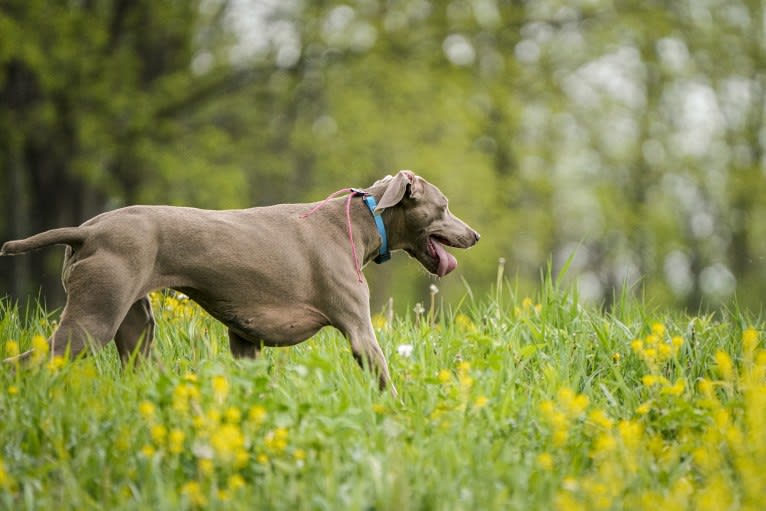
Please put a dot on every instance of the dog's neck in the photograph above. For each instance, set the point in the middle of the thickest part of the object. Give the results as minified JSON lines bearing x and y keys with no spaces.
{"x":366,"y":239}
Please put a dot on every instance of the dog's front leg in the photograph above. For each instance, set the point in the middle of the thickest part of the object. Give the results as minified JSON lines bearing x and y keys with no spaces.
{"x":368,"y":354}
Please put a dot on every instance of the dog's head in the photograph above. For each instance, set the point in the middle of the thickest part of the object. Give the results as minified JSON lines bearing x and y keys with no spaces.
{"x":421,"y":222}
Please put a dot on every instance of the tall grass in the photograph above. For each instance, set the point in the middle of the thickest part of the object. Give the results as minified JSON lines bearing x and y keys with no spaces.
{"x":506,"y":402}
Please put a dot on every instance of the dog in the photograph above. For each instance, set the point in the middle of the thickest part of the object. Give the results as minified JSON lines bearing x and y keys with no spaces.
{"x":273,"y":275}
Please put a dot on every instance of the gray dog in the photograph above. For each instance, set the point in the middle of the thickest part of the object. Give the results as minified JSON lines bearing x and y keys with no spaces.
{"x":273,"y":275}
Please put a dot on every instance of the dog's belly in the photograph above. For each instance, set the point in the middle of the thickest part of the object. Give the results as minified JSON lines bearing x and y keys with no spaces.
{"x":280,"y":326}
{"x":275,"y":325}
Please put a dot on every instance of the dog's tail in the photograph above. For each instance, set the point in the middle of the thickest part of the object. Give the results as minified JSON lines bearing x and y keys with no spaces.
{"x":72,"y":236}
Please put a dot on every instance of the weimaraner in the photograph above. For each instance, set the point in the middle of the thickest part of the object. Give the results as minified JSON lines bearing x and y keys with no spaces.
{"x":273,"y":275}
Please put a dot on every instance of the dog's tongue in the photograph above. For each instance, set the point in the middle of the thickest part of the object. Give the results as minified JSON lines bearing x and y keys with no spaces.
{"x":447,"y":261}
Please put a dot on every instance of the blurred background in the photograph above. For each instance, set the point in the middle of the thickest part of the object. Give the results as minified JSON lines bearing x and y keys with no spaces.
{"x":625,"y":135}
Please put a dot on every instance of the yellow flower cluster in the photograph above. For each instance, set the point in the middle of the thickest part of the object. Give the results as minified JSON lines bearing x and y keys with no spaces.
{"x":528,"y":308}
{"x":459,"y":392}
{"x":560,"y":414}
{"x":40,"y":352}
{"x":11,"y":348}
{"x":207,"y":429}
{"x":656,"y":348}
{"x":464,"y":323}
{"x":173,"y":305}
{"x":716,"y":465}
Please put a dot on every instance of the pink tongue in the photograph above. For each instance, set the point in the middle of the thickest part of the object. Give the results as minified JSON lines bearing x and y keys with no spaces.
{"x":447,"y":261}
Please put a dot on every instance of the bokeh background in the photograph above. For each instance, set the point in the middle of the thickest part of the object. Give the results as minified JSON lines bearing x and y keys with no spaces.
{"x":624,"y":136}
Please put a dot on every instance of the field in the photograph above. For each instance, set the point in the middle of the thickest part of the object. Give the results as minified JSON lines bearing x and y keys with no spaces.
{"x":506,"y":402}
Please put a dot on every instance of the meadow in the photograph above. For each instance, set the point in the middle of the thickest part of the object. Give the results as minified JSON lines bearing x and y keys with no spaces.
{"x":506,"y":402}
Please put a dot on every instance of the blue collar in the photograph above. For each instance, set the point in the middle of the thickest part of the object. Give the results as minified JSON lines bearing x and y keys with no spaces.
{"x":383,"y":254}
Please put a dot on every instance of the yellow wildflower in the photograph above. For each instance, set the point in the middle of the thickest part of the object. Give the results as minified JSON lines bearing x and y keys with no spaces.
{"x":13,"y":390}
{"x":235,"y":482}
{"x":262,"y":459}
{"x":565,"y":501}
{"x":378,"y":408}
{"x":146,"y":409}
{"x":241,"y":457}
{"x":11,"y":348}
{"x":630,"y":433}
{"x":749,"y":340}
{"x":603,"y":444}
{"x":233,"y":414}
{"x":147,"y":451}
{"x":644,"y":408}
{"x":226,"y":441}
{"x":601,"y":419}
{"x":159,"y":433}
{"x":257,"y":414}
{"x":6,"y":481}
{"x":40,"y":348}
{"x":56,"y":363}
{"x":276,"y":440}
{"x":220,"y":387}
{"x":637,"y":346}
{"x":650,"y":380}
{"x":445,"y":376}
{"x":650,"y":355}
{"x":213,"y":417}
{"x":652,"y":340}
{"x":715,"y":495}
{"x":547,"y":408}
{"x":725,"y":365}
{"x":706,"y":387}
{"x":664,"y":351}
{"x":676,"y":389}
{"x":560,"y":437}
{"x":705,"y":459}
{"x":176,"y":441}
{"x":379,"y":322}
{"x":545,"y":461}
{"x":571,"y":403}
{"x":193,"y":492}
{"x":464,"y":323}
{"x":205,"y":466}
{"x":299,"y":454}
{"x":658,"y":329}
{"x":481,"y":401}
{"x":579,"y":405}
{"x":722,"y":419}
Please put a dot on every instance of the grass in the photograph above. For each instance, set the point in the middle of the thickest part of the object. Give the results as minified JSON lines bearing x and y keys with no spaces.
{"x":506,"y":403}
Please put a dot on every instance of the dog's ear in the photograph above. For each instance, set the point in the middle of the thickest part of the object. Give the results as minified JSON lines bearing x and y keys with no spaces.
{"x":404,"y":182}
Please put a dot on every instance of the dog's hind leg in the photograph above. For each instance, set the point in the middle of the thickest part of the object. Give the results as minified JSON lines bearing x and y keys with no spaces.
{"x":241,"y":347}
{"x":136,"y":332}
{"x":100,"y":292}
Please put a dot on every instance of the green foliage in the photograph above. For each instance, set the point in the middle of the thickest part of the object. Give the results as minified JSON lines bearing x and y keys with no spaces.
{"x":631,"y":130}
{"x":507,"y":402}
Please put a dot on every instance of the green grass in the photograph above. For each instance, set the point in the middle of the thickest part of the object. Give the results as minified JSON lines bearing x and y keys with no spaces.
{"x":505,"y":403}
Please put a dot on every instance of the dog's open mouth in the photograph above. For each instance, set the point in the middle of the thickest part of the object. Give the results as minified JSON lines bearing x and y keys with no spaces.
{"x":446,"y":261}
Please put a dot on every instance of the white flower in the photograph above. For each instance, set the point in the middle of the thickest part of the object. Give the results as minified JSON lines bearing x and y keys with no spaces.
{"x":434,"y":289}
{"x":404,"y":350}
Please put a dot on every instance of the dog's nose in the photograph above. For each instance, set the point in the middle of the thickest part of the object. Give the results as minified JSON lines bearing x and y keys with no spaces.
{"x":476,"y":236}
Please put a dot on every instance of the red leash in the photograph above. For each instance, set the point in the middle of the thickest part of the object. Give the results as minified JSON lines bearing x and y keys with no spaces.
{"x":352,"y":193}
